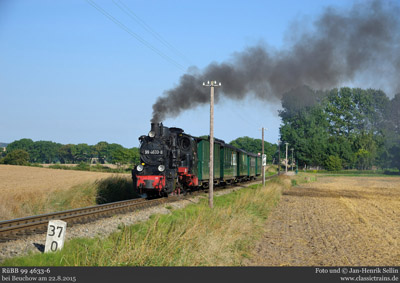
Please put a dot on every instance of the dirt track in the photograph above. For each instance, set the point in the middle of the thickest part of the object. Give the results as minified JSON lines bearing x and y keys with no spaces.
{"x":334,"y":221}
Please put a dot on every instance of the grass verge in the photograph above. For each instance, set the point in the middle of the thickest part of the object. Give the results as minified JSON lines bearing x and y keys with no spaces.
{"x":193,"y":236}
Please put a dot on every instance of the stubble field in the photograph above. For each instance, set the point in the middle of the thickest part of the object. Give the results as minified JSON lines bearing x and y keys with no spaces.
{"x":27,"y":191}
{"x":350,"y":221}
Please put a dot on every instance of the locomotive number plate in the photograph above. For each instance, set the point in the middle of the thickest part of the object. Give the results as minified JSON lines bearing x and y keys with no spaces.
{"x":153,"y":152}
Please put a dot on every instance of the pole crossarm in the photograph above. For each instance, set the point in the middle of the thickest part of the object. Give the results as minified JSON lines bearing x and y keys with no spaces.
{"x":212,"y":83}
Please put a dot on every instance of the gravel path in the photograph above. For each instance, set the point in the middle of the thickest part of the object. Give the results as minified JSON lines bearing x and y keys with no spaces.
{"x":99,"y":228}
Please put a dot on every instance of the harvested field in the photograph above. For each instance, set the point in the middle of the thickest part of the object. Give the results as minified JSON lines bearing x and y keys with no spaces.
{"x":28,"y":190}
{"x":335,"y":221}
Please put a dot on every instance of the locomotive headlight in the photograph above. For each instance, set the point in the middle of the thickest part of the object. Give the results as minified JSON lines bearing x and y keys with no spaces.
{"x":139,"y":168}
{"x":152,"y":134}
{"x":161,"y":168}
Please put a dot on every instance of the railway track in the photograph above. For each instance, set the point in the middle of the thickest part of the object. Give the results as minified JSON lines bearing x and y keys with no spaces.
{"x":16,"y":228}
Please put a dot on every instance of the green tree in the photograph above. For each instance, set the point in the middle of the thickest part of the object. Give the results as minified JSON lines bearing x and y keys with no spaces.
{"x":305,"y":131}
{"x":45,"y":152}
{"x":105,"y":151}
{"x":363,"y":159}
{"x":344,"y":122}
{"x":343,"y":113}
{"x":66,"y":153}
{"x":333,"y":163}
{"x":2,"y":153}
{"x":342,"y":147}
{"x":135,"y":155}
{"x":356,"y":119}
{"x":24,"y":144}
{"x":365,"y":148}
{"x":111,"y":149}
{"x":125,"y":156}
{"x":16,"y":157}
{"x":255,"y":146}
{"x":82,"y":152}
{"x":392,"y":134}
{"x":121,"y":156}
{"x":39,"y":152}
{"x":393,"y":114}
{"x":101,"y":149}
{"x":395,"y":156}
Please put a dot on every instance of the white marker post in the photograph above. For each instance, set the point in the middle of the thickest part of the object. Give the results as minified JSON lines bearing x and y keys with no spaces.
{"x":55,"y":235}
{"x":264,"y":163}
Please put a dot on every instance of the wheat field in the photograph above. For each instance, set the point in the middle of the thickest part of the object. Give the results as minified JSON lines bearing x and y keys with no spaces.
{"x":32,"y":190}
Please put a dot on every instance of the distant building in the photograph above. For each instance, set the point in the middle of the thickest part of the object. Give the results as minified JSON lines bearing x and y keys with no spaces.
{"x":3,"y":149}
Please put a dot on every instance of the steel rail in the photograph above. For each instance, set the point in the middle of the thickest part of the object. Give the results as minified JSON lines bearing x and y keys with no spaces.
{"x":12,"y":229}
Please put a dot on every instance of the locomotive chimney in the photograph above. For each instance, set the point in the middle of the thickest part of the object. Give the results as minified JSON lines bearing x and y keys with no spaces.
{"x":161,"y":129}
{"x":157,"y":129}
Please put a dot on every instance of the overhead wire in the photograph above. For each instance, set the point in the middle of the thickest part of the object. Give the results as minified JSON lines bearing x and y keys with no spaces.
{"x":250,"y":120}
{"x":136,"y":36}
{"x":133,"y":16}
{"x":156,"y":35}
{"x":242,"y":118}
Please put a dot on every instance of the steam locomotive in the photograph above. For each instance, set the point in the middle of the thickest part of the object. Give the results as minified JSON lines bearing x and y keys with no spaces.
{"x":172,"y":161}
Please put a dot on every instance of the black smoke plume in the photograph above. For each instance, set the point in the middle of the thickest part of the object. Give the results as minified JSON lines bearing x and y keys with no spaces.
{"x":342,"y":45}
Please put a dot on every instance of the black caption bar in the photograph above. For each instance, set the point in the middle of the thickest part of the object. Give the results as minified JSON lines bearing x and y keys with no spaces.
{"x":196,"y":274}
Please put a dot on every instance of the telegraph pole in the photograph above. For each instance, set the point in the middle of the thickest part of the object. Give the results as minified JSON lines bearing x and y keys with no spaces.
{"x":262,"y":159}
{"x":292,"y":158}
{"x":286,"y":161}
{"x":279,"y":157}
{"x":211,"y":84}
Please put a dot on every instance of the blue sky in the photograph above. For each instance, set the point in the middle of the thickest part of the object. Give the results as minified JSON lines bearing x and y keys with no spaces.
{"x":70,"y":75}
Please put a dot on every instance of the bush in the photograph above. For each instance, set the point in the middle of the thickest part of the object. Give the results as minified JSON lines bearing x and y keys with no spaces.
{"x":58,"y":166}
{"x":36,"y":165}
{"x":83,"y":166}
{"x":114,"y":189}
{"x":333,"y":163}
{"x":16,"y":157}
{"x":98,"y":168}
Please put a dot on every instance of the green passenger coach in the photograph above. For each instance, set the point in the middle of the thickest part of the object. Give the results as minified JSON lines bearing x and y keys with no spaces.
{"x":258,"y":165}
{"x":243,"y":166}
{"x":203,"y":155}
{"x":230,"y":163}
{"x":252,"y":166}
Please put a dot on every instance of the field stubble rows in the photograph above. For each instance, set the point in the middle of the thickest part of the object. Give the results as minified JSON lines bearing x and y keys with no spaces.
{"x":335,"y":221}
